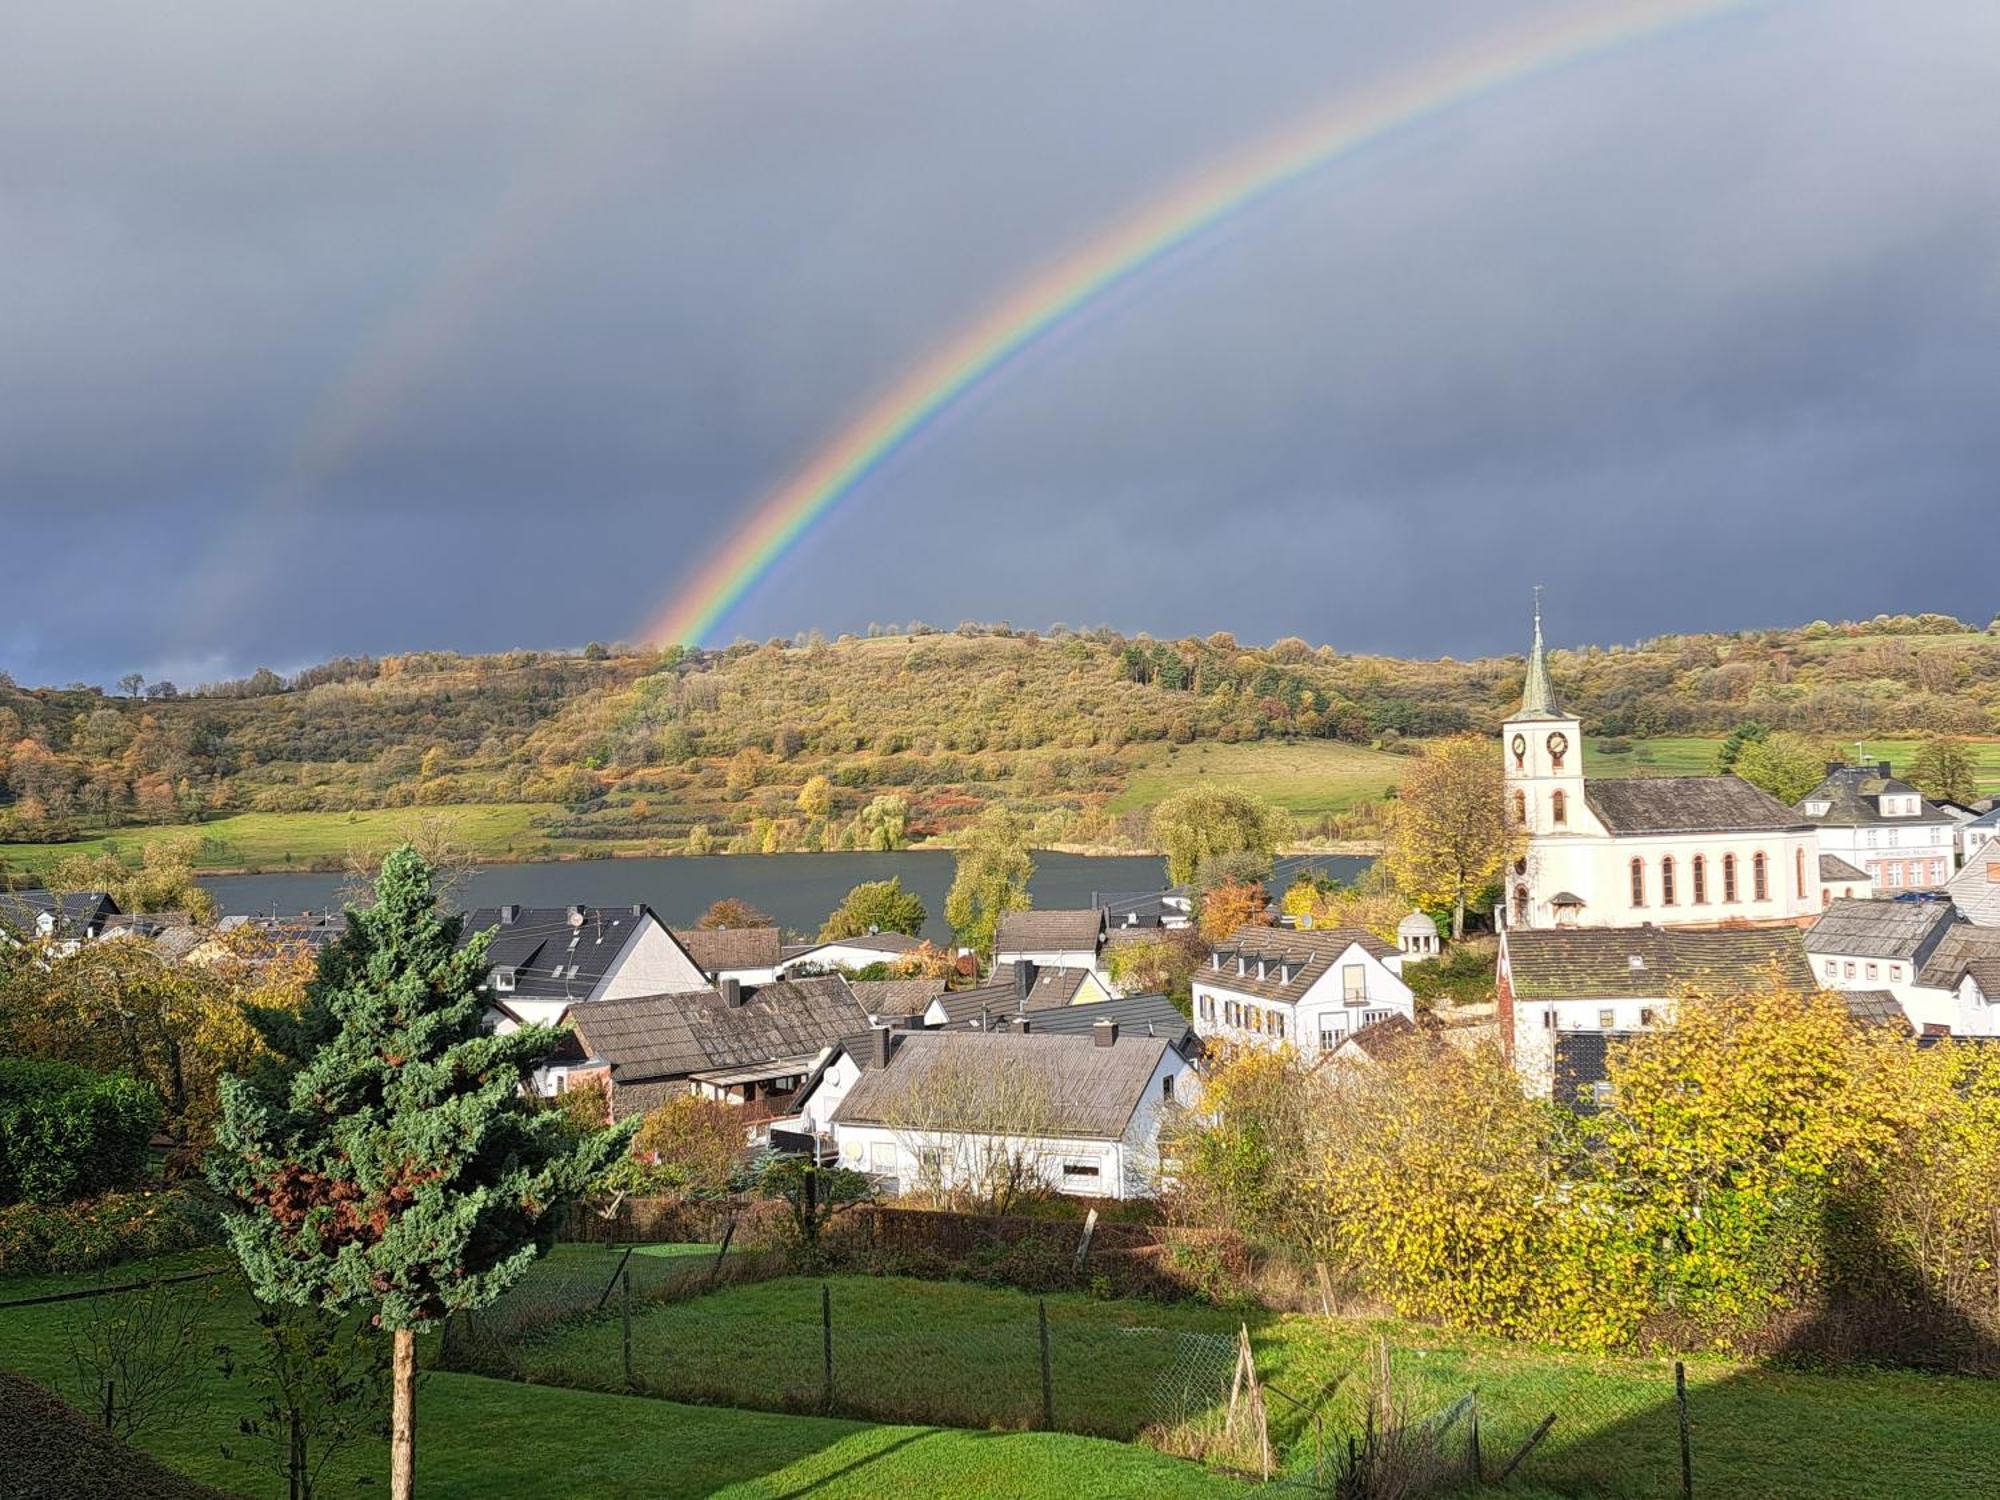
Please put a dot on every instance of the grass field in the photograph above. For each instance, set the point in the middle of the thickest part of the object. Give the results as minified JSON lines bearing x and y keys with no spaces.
{"x":306,"y":840}
{"x":1695,"y":756}
{"x":971,"y":1354}
{"x":484,"y":1439}
{"x":1305,"y":777}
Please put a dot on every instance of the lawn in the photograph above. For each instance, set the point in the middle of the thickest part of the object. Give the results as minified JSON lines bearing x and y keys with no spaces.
{"x":1305,"y":777}
{"x":496,"y":1440}
{"x":1689,"y":755}
{"x":307,"y":840}
{"x":969,"y":1355}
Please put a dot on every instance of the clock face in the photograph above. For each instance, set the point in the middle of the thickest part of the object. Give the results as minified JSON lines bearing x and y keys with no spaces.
{"x":1520,"y":746}
{"x":1558,"y":744}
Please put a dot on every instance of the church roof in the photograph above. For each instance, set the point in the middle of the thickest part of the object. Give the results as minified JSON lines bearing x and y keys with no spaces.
{"x":1688,"y":804}
{"x":1538,"y":698}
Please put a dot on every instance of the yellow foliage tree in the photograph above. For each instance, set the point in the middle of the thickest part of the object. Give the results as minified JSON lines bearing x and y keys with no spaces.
{"x":1453,"y":831}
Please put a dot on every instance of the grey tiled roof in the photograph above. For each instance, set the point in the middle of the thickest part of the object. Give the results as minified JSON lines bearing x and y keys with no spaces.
{"x":1072,"y":931}
{"x":1138,"y":1015}
{"x":1091,"y":1090}
{"x":896,"y":997}
{"x":1853,"y":793}
{"x":1964,"y":945}
{"x":888,"y":944}
{"x":1874,"y":1008}
{"x":671,"y":1036}
{"x":1853,"y":928}
{"x":1834,"y":869}
{"x":1636,"y":963}
{"x":1687,"y":804}
{"x":1309,"y":953}
{"x":719,"y":948}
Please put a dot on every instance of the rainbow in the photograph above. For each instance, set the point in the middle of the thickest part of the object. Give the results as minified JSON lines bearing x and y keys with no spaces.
{"x":1048,"y":301}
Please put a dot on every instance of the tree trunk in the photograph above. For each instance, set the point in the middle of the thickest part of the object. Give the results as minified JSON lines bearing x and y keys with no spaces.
{"x":403,"y":1418}
{"x":1458,"y":920}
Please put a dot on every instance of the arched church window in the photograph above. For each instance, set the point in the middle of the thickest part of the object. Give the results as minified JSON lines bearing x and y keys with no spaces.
{"x":1520,"y":906}
{"x":1638,"y":882}
{"x":1667,"y":881}
{"x":1701,"y":880}
{"x":1521,"y":808}
{"x":1729,"y":877}
{"x":1559,"y":808}
{"x":1799,"y":868}
{"x":1760,"y":877}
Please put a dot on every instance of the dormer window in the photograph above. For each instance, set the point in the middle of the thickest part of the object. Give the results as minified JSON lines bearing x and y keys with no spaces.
{"x":503,"y":980}
{"x":1818,"y":808}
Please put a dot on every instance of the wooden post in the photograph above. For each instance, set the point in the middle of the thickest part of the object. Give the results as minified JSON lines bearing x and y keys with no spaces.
{"x":728,"y":1234}
{"x":1687,"y":1443}
{"x":108,"y":1388}
{"x":1083,"y":1245}
{"x":1522,"y":1452}
{"x":1048,"y":1380}
{"x":625,"y":1317}
{"x":1325,"y":1288}
{"x":1472,"y":1450}
{"x":826,"y":1345}
{"x":403,"y":1416}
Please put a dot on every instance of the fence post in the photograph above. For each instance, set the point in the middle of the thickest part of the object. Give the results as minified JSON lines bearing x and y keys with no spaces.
{"x":625,"y":1317}
{"x":826,"y":1345}
{"x":108,"y":1389}
{"x":1687,"y":1444}
{"x":1048,"y":1380}
{"x":1473,"y":1455}
{"x":728,"y":1234}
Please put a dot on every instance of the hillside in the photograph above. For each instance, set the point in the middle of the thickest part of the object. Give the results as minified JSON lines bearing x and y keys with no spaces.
{"x":640,"y":751}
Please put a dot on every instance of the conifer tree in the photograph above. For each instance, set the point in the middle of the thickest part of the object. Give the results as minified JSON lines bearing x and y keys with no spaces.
{"x":391,"y":1160}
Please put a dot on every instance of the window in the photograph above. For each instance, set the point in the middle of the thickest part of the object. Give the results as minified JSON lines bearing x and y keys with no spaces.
{"x":1353,"y":983}
{"x":1799,"y":868}
{"x":1559,"y":808}
{"x":1701,"y":880}
{"x":1832,"y":969}
{"x":1371,"y":1017}
{"x":1667,"y":881}
{"x":1760,"y":877}
{"x":1638,"y":882}
{"x":1873,"y":971}
{"x":882,"y":1156}
{"x":1894,"y":872}
{"x":1607,"y":1020}
{"x":1729,"y":878}
{"x":1895,"y":973}
{"x":1167,"y":1087}
{"x":1328,"y":1040}
{"x":1647,"y":1015}
{"x":1081,"y":1169}
{"x":1848,"y":967}
{"x":1521,"y":808}
{"x":1600,"y":1092}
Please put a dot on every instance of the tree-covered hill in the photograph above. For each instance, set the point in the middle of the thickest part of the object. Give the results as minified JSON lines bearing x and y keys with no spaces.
{"x":868,"y":742}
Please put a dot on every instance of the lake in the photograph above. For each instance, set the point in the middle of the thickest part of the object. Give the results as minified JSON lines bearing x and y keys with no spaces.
{"x":797,"y":890}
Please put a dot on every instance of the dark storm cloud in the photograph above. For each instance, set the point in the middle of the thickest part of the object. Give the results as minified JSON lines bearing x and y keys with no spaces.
{"x":476,"y":325}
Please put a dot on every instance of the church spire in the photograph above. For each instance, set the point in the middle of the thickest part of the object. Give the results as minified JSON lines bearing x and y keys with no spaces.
{"x":1538,"y":699}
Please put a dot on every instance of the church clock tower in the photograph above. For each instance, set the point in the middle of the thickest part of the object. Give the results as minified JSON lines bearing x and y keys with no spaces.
{"x":1542,"y":750}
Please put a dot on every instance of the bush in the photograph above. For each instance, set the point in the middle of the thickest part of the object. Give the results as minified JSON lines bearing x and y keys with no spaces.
{"x":39,"y":1241}
{"x":67,"y":1133}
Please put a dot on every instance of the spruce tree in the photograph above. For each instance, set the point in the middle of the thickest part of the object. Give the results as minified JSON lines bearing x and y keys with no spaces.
{"x":391,"y":1160}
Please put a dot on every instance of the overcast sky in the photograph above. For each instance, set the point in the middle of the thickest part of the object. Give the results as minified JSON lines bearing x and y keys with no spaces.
{"x":382,"y":326}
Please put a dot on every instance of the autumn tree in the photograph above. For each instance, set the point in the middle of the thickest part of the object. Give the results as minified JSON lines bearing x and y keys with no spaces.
{"x":1198,"y":825}
{"x":1786,"y":764}
{"x":816,"y":798}
{"x":1943,"y":769}
{"x":876,"y":906}
{"x":882,"y":823}
{"x":1233,"y":904}
{"x":394,"y":1162}
{"x":686,"y":1145}
{"x":1749,"y":732}
{"x":993,"y":871}
{"x":729,"y":912}
{"x":1453,"y":831}
{"x":163,"y":880}
{"x":1163,"y":963}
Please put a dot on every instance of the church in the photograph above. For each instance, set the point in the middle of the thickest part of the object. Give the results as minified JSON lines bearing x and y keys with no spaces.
{"x":1670,"y":851}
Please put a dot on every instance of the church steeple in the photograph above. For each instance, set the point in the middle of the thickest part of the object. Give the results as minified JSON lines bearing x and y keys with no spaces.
{"x":1538,"y":699}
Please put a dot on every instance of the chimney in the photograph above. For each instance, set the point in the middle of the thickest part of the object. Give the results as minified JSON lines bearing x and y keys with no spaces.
{"x":1023,"y":1025}
{"x":883,"y":1041}
{"x":638,"y":909}
{"x":1882,"y":769}
{"x":1024,"y":977}
{"x":509,"y":915}
{"x":914,"y":1021}
{"x":1104,"y":1033}
{"x":732,"y":992}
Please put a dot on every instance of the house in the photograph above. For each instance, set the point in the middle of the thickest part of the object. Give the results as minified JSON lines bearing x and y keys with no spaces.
{"x":749,"y":955}
{"x":1073,"y":1113}
{"x":1943,"y":970}
{"x":1309,"y":987}
{"x":889,"y":1000}
{"x":1022,"y":986}
{"x":1147,"y":911}
{"x":1884,"y":826}
{"x":1617,"y":980}
{"x":1135,"y":1015}
{"x":1050,"y":939}
{"x":1682,"y":851}
{"x":73,"y":917}
{"x":1976,"y":833}
{"x":1975,"y":890}
{"x":546,"y":959}
{"x":1372,"y":1045}
{"x":851,"y":953}
{"x":732,"y":1045}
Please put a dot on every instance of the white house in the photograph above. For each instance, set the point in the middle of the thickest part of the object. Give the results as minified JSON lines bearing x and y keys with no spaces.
{"x":1884,"y":826}
{"x":1942,"y":970}
{"x":1976,"y":834}
{"x":1056,"y":939}
{"x":547,"y":958}
{"x":749,"y":955}
{"x":1680,"y":851}
{"x":1615,"y":981}
{"x":945,"y":1110}
{"x":1312,"y":987}
{"x":859,"y":952}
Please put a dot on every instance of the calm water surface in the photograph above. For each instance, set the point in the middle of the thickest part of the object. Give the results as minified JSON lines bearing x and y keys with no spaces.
{"x":796,"y":889}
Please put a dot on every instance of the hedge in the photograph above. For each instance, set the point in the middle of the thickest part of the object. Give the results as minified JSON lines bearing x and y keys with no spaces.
{"x":71,"y":1237}
{"x":67,"y":1133}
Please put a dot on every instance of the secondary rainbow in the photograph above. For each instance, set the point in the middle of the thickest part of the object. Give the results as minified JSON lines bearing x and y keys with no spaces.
{"x":1049,"y":300}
